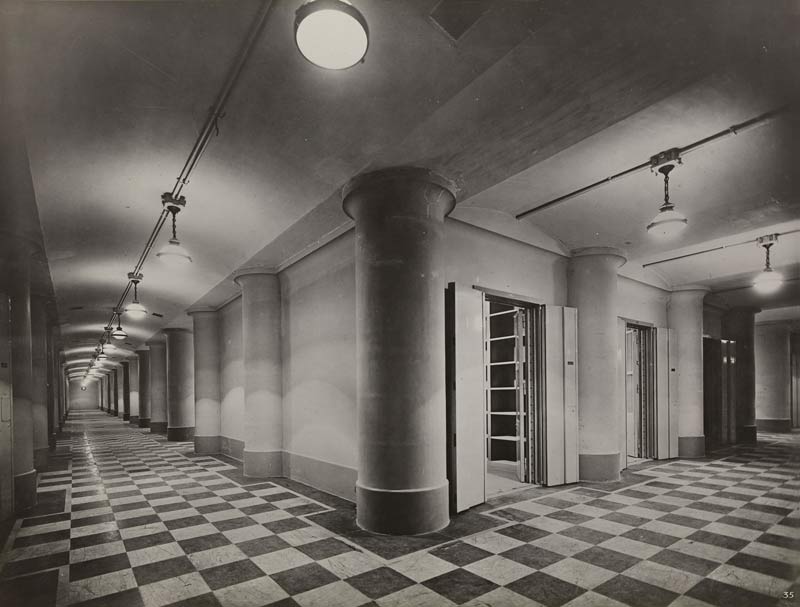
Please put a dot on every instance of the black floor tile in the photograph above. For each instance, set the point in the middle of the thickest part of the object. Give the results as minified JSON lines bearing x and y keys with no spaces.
{"x":92,"y":520}
{"x":585,"y":534}
{"x":716,"y":539}
{"x":546,"y":589}
{"x":379,"y":582}
{"x":285,"y":524}
{"x":146,"y":541}
{"x":106,"y":564}
{"x":126,"y":598}
{"x":208,"y":509}
{"x":161,"y":570}
{"x":523,"y":533}
{"x":300,"y":579}
{"x":203,"y":600}
{"x":532,"y":556}
{"x":635,"y":593}
{"x":231,"y":573}
{"x":771,"y":567}
{"x":626,"y":519}
{"x":41,"y":538}
{"x":324,"y":549}
{"x":233,"y":523}
{"x":684,"y":521}
{"x":608,"y":559}
{"x":569,"y":517}
{"x":94,"y":539}
{"x":685,"y":562}
{"x":650,"y":537}
{"x":725,"y":595}
{"x":137,"y":521}
{"x":514,"y":514}
{"x":45,"y":520}
{"x":186,"y":521}
{"x":460,"y":554}
{"x":780,"y":541}
{"x":254,"y":509}
{"x":41,"y":563}
{"x":262,"y":545}
{"x":38,"y":590}
{"x":460,"y":585}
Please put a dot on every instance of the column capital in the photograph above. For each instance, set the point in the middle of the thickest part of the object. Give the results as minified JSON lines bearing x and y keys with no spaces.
{"x":201,"y":310}
{"x":252,"y":271}
{"x":419,"y":178}
{"x":174,"y":330}
{"x":688,"y":288}
{"x":612,"y":252}
{"x":157,"y":342}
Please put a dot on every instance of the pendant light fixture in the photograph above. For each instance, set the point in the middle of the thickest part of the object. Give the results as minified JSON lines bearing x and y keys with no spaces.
{"x":669,"y":222}
{"x":331,"y":34}
{"x":768,"y":281}
{"x":135,"y":309}
{"x":173,"y":253}
{"x":101,"y":355}
{"x":118,"y":333}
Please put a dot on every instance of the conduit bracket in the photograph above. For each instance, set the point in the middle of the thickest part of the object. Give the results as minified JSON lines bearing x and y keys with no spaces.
{"x":171,"y":203}
{"x":672,"y":155}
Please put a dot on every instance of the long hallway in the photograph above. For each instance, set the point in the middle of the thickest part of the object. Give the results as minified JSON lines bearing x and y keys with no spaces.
{"x":126,"y":518}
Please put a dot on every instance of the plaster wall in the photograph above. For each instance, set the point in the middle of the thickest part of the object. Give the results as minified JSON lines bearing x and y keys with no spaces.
{"x":84,"y":400}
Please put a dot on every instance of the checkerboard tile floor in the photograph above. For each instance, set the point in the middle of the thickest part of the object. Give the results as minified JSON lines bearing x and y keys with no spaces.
{"x":145,"y":525}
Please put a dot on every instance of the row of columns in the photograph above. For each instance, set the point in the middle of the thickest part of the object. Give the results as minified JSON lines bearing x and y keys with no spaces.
{"x":33,"y":383}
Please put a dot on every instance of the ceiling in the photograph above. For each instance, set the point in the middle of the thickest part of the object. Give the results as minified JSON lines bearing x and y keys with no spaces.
{"x":532,"y":100}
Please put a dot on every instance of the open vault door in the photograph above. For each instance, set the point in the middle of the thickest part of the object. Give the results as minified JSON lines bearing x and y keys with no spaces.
{"x":556,"y":417}
{"x":466,"y":417}
{"x":666,"y":395}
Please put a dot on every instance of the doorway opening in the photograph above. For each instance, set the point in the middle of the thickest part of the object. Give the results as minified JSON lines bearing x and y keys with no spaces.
{"x":514,"y":413}
{"x":640,"y":401}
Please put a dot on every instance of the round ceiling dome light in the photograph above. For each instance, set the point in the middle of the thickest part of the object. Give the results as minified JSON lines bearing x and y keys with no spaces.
{"x":768,"y":281}
{"x":135,"y":310}
{"x":331,"y":34}
{"x":669,"y":222}
{"x":173,"y":254}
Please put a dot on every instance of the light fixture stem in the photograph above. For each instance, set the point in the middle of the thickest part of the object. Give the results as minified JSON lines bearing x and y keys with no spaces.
{"x":767,"y":247}
{"x":174,"y":213}
{"x":666,"y":188}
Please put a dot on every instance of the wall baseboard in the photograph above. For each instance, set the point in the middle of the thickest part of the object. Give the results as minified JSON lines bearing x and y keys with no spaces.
{"x":333,"y":478}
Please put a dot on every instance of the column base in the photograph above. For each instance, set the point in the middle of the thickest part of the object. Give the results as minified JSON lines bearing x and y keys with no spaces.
{"x":158,"y":427}
{"x":144,"y":422}
{"x":41,"y":458}
{"x":24,"y":491}
{"x":746,"y":435}
{"x":774,"y":425}
{"x":180,"y":434}
{"x":126,"y":417}
{"x":407,"y":512}
{"x":598,"y":467}
{"x":207,"y":444}
{"x":134,"y":420}
{"x":691,"y":447}
{"x":263,"y":464}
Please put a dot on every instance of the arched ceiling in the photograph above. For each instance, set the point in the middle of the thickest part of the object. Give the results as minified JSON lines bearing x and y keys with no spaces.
{"x":536,"y":98}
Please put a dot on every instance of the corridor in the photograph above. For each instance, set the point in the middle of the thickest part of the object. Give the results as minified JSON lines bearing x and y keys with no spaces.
{"x":126,"y":518}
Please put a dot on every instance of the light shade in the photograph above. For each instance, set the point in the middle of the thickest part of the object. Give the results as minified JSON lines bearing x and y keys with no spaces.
{"x":118,"y":333}
{"x":136,"y":310}
{"x":102,"y":356}
{"x":174,"y":254}
{"x":332,"y":34}
{"x":768,"y":281}
{"x":668,"y":223}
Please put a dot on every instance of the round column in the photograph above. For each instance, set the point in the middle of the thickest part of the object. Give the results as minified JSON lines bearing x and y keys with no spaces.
{"x":263,"y":389}
{"x":112,"y":391}
{"x":102,"y":390}
{"x":206,"y":380}
{"x":773,"y":377}
{"x":180,"y":385}
{"x":133,"y":392}
{"x":119,"y":391}
{"x":126,"y":390}
{"x":592,"y":289}
{"x":402,"y":480}
{"x":22,"y":377}
{"x":685,"y":317}
{"x":41,"y":440}
{"x":738,"y":325}
{"x":158,"y":386}
{"x":144,"y":388}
